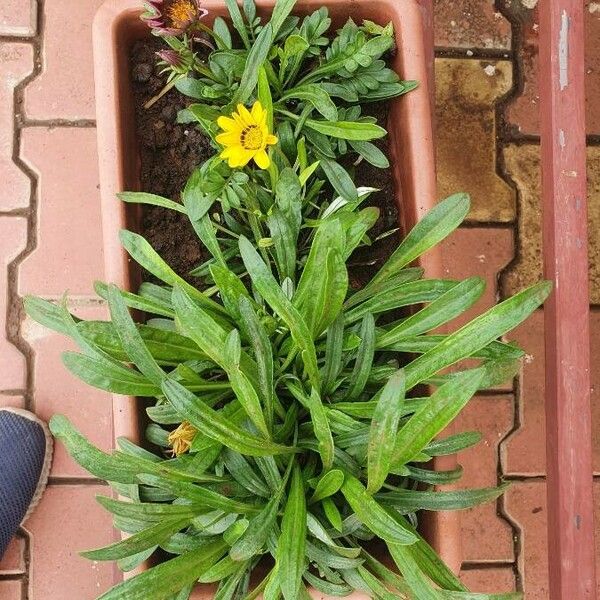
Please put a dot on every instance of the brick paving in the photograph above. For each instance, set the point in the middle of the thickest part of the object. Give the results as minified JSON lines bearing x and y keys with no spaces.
{"x":50,"y":241}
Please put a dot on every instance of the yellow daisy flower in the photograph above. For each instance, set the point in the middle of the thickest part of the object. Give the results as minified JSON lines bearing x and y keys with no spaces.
{"x":181,"y":438}
{"x":246,"y":137}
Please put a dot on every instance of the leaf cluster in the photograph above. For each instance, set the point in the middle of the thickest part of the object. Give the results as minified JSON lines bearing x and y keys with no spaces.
{"x":312,"y":81}
{"x":312,"y":433}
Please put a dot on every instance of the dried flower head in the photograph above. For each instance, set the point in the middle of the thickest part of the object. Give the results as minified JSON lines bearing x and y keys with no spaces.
{"x":246,"y":136}
{"x":181,"y":438}
{"x":172,"y":17}
{"x":171,"y":58}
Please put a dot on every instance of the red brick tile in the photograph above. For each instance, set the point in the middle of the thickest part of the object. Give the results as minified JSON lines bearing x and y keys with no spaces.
{"x":523,"y":166}
{"x":470,"y":24}
{"x":467,"y":92}
{"x":486,"y":536}
{"x":489,"y":580}
{"x":11,"y":401}
{"x":13,"y":239}
{"x":13,"y":560}
{"x":12,"y":590}
{"x":55,"y":390}
{"x":523,"y":111}
{"x":69,"y":250}
{"x":65,"y":87}
{"x":526,"y":504}
{"x":16,"y":62}
{"x":18,"y":17}
{"x":67,"y":521}
{"x":482,"y":251}
{"x":524,"y":452}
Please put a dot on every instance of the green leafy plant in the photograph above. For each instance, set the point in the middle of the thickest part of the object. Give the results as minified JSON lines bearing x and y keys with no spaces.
{"x":311,"y":85}
{"x":295,"y":416}
{"x":308,"y":434}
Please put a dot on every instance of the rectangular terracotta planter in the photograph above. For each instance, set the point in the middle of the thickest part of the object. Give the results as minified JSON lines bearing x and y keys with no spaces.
{"x":117,"y":26}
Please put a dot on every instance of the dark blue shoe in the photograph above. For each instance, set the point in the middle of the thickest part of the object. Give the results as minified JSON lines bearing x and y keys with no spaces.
{"x":25,"y":460}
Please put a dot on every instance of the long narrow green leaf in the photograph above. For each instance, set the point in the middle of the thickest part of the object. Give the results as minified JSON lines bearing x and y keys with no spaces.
{"x":477,"y":334}
{"x":263,"y":354}
{"x":348,"y":130}
{"x":168,"y":577}
{"x":116,"y":379}
{"x":238,"y":21}
{"x":447,"y":307}
{"x":291,"y":546}
{"x":212,"y":424}
{"x":384,"y":427}
{"x":372,"y":515}
{"x":202,"y":496}
{"x":147,"y":538}
{"x":409,"y":501}
{"x":364,"y":358}
{"x":256,"y":57}
{"x":152,"y":199}
{"x":434,"y":417}
{"x":149,"y":511}
{"x":255,"y":537}
{"x":242,"y":388}
{"x":130,"y":337}
{"x":416,"y":580}
{"x":143,"y":253}
{"x":269,"y":289}
{"x":432,"y":229}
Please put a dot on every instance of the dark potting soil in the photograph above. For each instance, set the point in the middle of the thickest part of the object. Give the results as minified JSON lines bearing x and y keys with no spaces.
{"x":169,"y":152}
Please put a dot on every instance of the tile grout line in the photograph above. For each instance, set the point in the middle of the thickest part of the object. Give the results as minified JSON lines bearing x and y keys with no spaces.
{"x":14,"y":308}
{"x":503,"y":138}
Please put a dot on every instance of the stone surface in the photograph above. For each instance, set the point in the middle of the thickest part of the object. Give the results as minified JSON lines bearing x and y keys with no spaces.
{"x":13,"y":560}
{"x":466,"y":94}
{"x":523,"y":166}
{"x":470,"y":24}
{"x":524,"y":452}
{"x":58,"y":535}
{"x":483,"y":252}
{"x":68,"y":255}
{"x":523,"y":112}
{"x":55,"y":390}
{"x":526,"y":504}
{"x":16,"y":63}
{"x":13,"y":239}
{"x":18,"y":17}
{"x":486,"y":536}
{"x":11,"y":401}
{"x":477,"y":251}
{"x":490,"y":579}
{"x":65,"y":87}
{"x":11,"y":589}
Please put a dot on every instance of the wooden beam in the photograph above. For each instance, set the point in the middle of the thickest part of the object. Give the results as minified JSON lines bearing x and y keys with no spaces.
{"x":568,"y":416}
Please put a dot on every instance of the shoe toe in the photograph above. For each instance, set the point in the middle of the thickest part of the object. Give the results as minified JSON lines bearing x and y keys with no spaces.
{"x":25,"y":453}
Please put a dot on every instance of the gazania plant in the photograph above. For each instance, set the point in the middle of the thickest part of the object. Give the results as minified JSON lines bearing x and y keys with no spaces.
{"x":292,"y":417}
{"x":296,"y":427}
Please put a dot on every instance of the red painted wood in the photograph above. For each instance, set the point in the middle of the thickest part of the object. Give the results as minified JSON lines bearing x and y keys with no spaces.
{"x":568,"y":418}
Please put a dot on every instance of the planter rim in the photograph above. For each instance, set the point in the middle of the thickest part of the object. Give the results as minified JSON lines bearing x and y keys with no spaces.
{"x":117,"y":24}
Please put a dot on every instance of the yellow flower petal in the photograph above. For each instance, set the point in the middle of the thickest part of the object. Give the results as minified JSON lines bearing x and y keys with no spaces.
{"x":258,"y":112}
{"x":227,"y":124}
{"x":228,"y":138}
{"x":272,"y":139}
{"x":245,"y":115}
{"x":262,"y":160}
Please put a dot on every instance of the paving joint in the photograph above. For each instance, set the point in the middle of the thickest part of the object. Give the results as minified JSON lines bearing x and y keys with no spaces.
{"x":55,"y":123}
{"x":492,"y":54}
{"x":14,"y":308}
{"x":67,"y":481}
